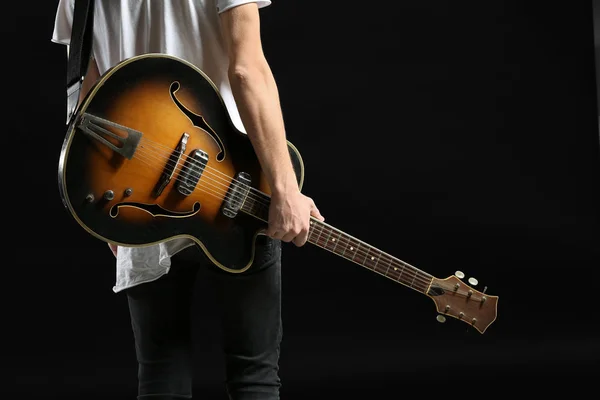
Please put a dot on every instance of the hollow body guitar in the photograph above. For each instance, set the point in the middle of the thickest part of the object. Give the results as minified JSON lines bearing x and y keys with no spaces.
{"x":151,"y":155}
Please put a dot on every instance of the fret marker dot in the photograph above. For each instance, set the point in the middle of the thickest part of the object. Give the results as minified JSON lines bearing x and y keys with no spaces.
{"x":372,"y":258}
{"x":351,"y":248}
{"x":395,"y":269}
{"x":333,"y":240}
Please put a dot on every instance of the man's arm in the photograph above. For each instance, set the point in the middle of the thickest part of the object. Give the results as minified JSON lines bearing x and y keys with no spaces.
{"x":257,"y":99}
{"x":91,"y":76}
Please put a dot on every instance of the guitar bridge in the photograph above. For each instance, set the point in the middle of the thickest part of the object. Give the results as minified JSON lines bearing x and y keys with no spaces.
{"x":96,"y":128}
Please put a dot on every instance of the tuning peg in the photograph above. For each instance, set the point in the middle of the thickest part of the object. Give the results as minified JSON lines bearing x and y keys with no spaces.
{"x":459,"y":274}
{"x":440,"y":318}
{"x":473,"y":281}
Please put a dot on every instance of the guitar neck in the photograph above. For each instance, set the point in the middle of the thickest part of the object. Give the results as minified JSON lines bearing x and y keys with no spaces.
{"x":350,"y":248}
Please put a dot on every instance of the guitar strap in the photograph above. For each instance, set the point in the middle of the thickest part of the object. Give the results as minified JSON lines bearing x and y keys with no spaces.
{"x":80,"y":50}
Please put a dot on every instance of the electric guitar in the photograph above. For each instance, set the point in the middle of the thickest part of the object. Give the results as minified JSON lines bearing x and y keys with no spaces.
{"x":151,"y":155}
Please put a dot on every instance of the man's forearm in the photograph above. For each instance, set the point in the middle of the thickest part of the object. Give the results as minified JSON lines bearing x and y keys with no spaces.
{"x":257,"y":99}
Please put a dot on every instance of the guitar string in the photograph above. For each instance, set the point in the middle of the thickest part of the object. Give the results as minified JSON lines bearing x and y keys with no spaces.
{"x":385,"y":258}
{"x":169,"y":156}
{"x":182,"y":173}
{"x":378,"y":265}
{"x":403,"y":265}
{"x":414,"y":273}
{"x":184,"y":157}
{"x":393,"y":262}
{"x":424,"y":278}
{"x":216,"y":198}
{"x":348,"y":243}
{"x":389,"y":259}
{"x":169,"y":150}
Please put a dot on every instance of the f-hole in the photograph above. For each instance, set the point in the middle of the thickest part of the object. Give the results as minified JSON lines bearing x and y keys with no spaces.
{"x":197,"y":120}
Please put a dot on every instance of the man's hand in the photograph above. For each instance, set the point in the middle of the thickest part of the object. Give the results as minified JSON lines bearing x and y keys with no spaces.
{"x":289,"y":216}
{"x":257,"y":99}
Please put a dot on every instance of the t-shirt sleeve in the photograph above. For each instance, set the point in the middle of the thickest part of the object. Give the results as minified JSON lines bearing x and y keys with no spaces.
{"x":63,"y":22}
{"x":224,"y":5}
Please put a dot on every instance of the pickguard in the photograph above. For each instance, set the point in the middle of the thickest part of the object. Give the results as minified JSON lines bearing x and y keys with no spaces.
{"x":155,"y":210}
{"x":197,"y":120}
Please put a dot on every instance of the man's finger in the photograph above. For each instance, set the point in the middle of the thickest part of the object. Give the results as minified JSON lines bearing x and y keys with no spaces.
{"x":290,"y":236}
{"x":316,"y":213}
{"x":113,"y":248}
{"x":273,"y":234}
{"x":301,"y":239}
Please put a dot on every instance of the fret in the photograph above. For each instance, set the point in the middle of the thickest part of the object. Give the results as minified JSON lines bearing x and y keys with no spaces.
{"x":369,"y":259}
{"x":374,"y":260}
{"x":401,"y":271}
{"x":319,"y":235}
{"x":406,"y":276}
{"x":366,"y":255}
{"x":345,"y":248}
{"x":335,"y":241}
{"x":395,"y":274}
{"x":411,"y":279}
{"x":357,"y":253}
{"x":311,"y":233}
{"x":424,"y":281}
{"x":328,"y":240}
{"x":349,"y":248}
{"x":248,"y":206}
{"x":387,"y":268}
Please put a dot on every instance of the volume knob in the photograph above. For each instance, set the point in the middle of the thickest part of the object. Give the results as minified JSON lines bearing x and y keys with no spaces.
{"x":109,"y":195}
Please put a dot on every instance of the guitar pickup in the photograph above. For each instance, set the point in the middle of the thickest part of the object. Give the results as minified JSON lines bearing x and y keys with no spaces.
{"x":236,"y":195}
{"x":171,"y":166}
{"x":191,"y":172}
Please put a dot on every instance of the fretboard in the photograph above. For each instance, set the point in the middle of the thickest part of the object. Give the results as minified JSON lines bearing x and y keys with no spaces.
{"x":348,"y":247}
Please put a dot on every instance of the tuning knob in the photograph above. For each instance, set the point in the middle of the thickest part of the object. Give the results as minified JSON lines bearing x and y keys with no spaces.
{"x":459,"y":274}
{"x":473,"y":281}
{"x":440,"y":318}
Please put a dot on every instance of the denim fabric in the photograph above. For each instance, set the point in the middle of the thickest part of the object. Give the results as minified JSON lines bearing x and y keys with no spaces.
{"x":249,"y":306}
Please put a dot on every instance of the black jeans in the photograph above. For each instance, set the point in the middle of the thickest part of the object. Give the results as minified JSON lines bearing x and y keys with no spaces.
{"x":249,"y":305}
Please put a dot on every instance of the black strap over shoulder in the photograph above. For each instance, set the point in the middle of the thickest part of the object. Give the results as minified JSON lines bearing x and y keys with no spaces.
{"x":80,"y":50}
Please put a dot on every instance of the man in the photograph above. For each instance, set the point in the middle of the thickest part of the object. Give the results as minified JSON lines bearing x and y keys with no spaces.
{"x":222,"y":38}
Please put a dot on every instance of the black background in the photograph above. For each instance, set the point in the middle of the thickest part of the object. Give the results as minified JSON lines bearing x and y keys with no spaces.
{"x":453,"y":135}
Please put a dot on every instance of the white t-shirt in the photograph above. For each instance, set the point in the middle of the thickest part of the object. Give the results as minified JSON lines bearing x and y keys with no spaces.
{"x":188,"y":29}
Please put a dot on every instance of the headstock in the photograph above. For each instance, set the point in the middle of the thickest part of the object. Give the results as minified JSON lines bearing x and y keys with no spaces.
{"x":456,"y":299}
